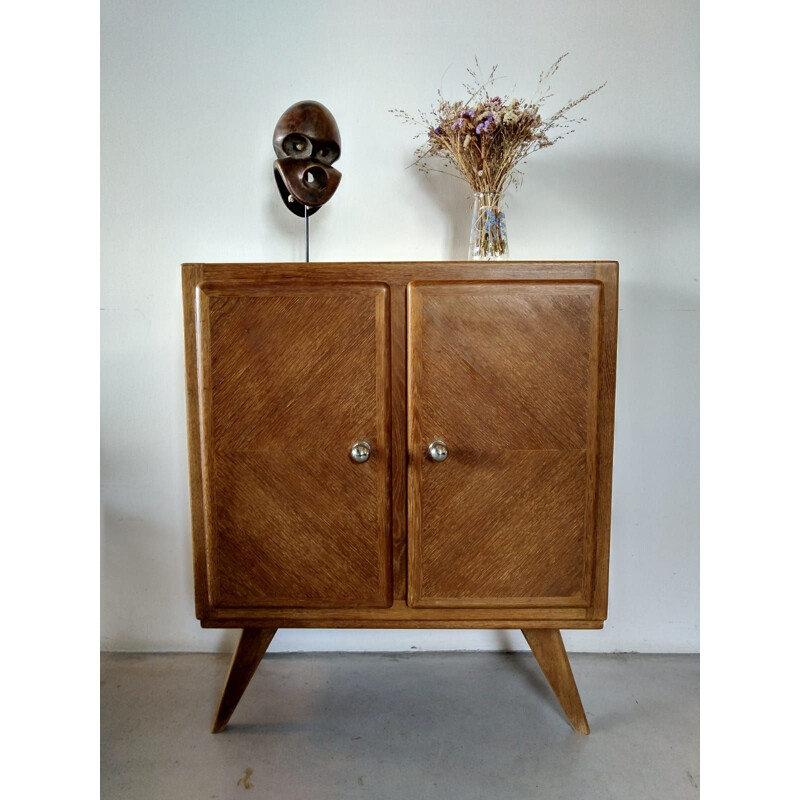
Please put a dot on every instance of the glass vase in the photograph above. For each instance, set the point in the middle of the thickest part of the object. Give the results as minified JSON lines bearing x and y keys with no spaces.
{"x":488,"y":240}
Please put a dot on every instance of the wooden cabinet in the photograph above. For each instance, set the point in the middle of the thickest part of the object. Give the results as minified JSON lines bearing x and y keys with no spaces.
{"x":401,"y":445}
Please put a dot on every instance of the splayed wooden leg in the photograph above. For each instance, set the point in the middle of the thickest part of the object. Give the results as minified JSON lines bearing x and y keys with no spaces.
{"x":548,"y":647}
{"x":246,"y":658}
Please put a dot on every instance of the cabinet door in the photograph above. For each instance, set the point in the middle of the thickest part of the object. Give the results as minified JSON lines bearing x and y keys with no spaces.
{"x":506,"y":375}
{"x":292,"y":376}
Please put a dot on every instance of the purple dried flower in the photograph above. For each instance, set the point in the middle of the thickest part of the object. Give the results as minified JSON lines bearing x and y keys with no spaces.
{"x":483,"y":127}
{"x":495,"y":100}
{"x":458,"y":123}
{"x":438,"y":130}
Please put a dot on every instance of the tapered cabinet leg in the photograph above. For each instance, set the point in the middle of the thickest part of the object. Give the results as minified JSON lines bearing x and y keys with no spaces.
{"x":548,"y":647}
{"x":246,"y":658}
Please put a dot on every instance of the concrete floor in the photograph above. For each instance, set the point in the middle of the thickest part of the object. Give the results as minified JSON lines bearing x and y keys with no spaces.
{"x":482,"y":726}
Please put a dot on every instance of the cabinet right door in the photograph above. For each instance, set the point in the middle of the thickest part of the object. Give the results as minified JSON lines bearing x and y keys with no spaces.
{"x":507,"y":375}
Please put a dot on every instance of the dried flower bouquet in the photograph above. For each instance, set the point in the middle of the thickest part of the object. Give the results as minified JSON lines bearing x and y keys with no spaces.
{"x":486,"y":137}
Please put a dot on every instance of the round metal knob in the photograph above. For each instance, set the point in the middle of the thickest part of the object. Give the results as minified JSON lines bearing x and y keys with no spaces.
{"x":360,"y":452}
{"x":437,"y":450}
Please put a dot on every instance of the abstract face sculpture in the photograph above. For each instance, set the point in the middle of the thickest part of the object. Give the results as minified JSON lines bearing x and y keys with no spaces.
{"x":306,"y":141}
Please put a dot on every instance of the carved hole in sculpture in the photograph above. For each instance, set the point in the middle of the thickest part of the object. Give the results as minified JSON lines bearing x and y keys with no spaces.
{"x":326,"y":152}
{"x":316,"y":177}
{"x":295,"y":145}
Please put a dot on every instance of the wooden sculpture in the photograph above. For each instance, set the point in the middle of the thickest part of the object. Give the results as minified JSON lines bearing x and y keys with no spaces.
{"x":306,"y":141}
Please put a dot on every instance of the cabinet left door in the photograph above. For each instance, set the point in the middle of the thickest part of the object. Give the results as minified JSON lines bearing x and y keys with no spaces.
{"x":289,"y":377}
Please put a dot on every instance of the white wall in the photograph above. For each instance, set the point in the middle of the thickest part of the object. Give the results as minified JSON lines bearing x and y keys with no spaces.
{"x":191,"y":91}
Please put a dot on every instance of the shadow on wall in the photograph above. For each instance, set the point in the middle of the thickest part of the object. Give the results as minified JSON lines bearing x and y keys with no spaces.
{"x":647,"y":205}
{"x":454,"y":197}
{"x":147,"y":587}
{"x":643,"y":202}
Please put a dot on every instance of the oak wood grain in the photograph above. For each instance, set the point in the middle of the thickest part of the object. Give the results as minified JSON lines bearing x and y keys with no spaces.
{"x":506,"y":373}
{"x":401,"y":615}
{"x":251,"y":281}
{"x":253,"y":643}
{"x":399,"y":480}
{"x":409,"y":621}
{"x":292,"y":376}
{"x":192,"y":275}
{"x":548,"y":647}
{"x":605,"y":449}
{"x":403,"y":272}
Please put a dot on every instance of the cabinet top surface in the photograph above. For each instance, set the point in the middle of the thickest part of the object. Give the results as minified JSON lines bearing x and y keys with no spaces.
{"x":400,"y":271}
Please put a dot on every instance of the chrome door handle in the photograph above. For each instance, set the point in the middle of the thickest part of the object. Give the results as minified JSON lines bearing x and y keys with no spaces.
{"x":360,"y":452}
{"x":437,"y":450}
